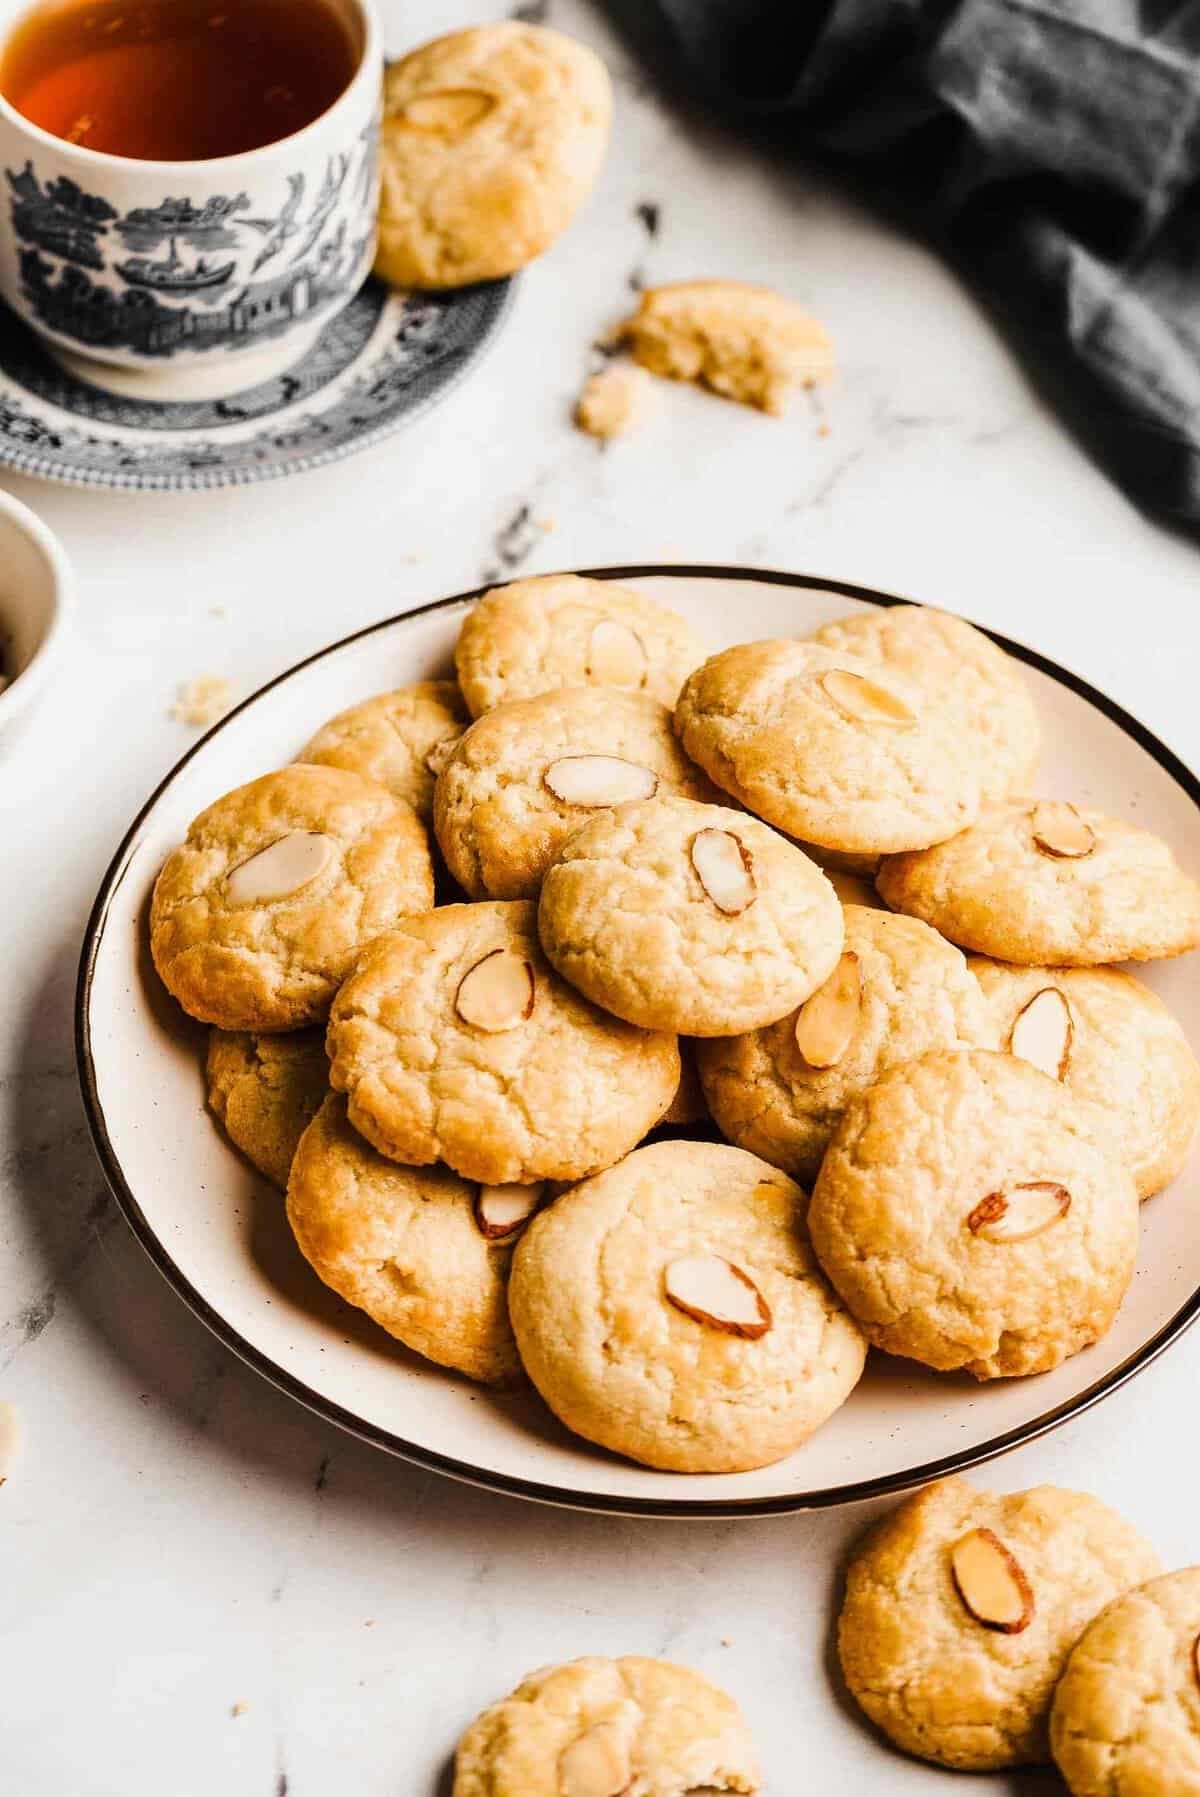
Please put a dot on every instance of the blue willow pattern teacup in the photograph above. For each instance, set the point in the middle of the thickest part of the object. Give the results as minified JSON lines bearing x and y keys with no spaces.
{"x":229,"y":265}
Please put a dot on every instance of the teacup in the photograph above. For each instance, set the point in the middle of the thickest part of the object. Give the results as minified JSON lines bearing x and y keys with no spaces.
{"x":191,"y":279}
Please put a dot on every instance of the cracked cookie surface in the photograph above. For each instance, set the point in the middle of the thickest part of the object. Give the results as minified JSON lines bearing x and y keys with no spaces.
{"x":561,"y":630}
{"x":827,"y":748}
{"x":1112,"y":1043}
{"x":1126,"y":1716}
{"x":265,"y":1091}
{"x":274,"y":962}
{"x":663,"y":1730}
{"x":909,"y":992}
{"x":962,"y":670}
{"x":938,"y":1681}
{"x":403,"y":1245}
{"x":994,"y":890}
{"x":622,"y":1365}
{"x":970,"y":1216}
{"x":626,"y":915}
{"x":398,"y":739}
{"x":499,"y":824}
{"x":560,"y":1090}
{"x":744,"y":342}
{"x":491,"y":140}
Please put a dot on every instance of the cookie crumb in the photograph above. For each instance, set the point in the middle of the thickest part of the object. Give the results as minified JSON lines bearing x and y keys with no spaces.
{"x":10,"y":1439}
{"x":613,"y":402}
{"x":239,"y":1708}
{"x":203,"y":701}
{"x":414,"y":556}
{"x":546,"y":524}
{"x":726,"y":1640}
{"x":219,"y":611}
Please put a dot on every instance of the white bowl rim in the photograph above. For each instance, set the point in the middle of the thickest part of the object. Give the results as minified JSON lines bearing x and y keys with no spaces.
{"x":25,"y":685}
{"x":677,"y":1509}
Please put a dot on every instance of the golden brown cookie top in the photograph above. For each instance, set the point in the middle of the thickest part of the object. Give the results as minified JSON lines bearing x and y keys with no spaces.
{"x":257,"y":916}
{"x":535,"y":636}
{"x":491,"y":140}
{"x":961,"y":1607}
{"x":398,"y":739}
{"x":971,"y":1214}
{"x":528,"y":773}
{"x":455,"y":1040}
{"x":833,"y":750}
{"x":688,"y":917}
{"x":1043,"y":881}
{"x":578,"y":1730}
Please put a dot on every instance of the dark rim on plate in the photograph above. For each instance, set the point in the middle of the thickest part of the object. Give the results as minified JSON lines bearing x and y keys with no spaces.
{"x":856,"y":1492}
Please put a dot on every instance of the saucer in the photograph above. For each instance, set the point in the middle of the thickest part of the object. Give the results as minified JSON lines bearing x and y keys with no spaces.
{"x":379,"y":364}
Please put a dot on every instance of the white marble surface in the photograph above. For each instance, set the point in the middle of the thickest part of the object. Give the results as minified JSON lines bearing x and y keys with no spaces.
{"x":177,"y":1539}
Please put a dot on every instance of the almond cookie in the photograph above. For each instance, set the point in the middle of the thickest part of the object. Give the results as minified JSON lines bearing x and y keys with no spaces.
{"x":687,"y":1108}
{"x":537,"y":636}
{"x":265,"y":1091}
{"x":671,"y":1310}
{"x":898,"y":991}
{"x":454,"y":1040}
{"x":969,"y":1217}
{"x":961,"y":1607}
{"x":1043,"y":882}
{"x":975,"y":683}
{"x":257,"y":917}
{"x":828,"y":748}
{"x":529,"y":773}
{"x":747,"y":343}
{"x":1113,"y":1043}
{"x":609,"y":1728}
{"x":1126,"y":1715}
{"x":423,"y":1253}
{"x":687,"y":917}
{"x":399,"y":739}
{"x":491,"y":141}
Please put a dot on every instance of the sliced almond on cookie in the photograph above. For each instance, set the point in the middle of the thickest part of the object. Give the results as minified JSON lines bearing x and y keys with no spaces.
{"x":826,"y":1022}
{"x":594,"y":781}
{"x":595,"y":1764}
{"x":725,"y":869}
{"x":1042,"y":1032}
{"x":284,"y":867}
{"x":1060,"y":832}
{"x":991,"y":1582}
{"x":445,"y":114}
{"x":497,"y":993}
{"x":1021,"y":1212}
{"x":714,"y":1291}
{"x":500,"y":1211}
{"x":864,"y":701}
{"x":616,"y":655}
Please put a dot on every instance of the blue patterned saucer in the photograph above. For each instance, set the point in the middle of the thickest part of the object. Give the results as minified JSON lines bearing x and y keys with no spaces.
{"x":379,"y":364}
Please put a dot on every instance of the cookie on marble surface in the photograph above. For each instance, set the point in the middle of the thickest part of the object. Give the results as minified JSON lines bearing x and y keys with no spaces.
{"x":688,"y":917}
{"x":560,"y":630}
{"x":530,"y":772}
{"x":265,"y":1091}
{"x":399,"y":739}
{"x":1126,"y":1715}
{"x":1044,"y":882}
{"x":744,"y":342}
{"x":1113,"y":1043}
{"x":628,"y":1727}
{"x":971,"y":1216}
{"x":411,"y":1246}
{"x":898,"y":991}
{"x":834,"y":751}
{"x":614,"y":401}
{"x":971,"y":678}
{"x":671,"y":1310}
{"x":961,"y":1607}
{"x":491,"y":141}
{"x":257,"y":917}
{"x":454,"y":1040}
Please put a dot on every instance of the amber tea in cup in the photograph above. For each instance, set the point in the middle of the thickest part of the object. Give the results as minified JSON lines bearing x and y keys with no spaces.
{"x":177,"y":80}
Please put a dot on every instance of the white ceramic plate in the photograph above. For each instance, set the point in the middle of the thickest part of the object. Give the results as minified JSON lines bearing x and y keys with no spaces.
{"x":220,"y":1236}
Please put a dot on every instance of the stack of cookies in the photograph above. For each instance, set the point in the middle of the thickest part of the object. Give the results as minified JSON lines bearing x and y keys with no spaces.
{"x":662,"y":879}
